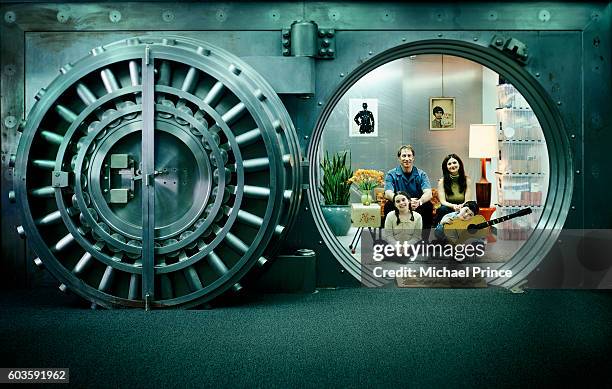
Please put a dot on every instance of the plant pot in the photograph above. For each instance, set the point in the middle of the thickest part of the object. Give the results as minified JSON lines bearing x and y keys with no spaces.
{"x":338,"y":218}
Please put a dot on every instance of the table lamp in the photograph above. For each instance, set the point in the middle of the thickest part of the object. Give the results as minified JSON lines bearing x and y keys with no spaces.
{"x":483,"y":145}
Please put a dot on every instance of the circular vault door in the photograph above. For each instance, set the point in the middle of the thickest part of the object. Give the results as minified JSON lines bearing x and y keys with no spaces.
{"x":154,"y":172}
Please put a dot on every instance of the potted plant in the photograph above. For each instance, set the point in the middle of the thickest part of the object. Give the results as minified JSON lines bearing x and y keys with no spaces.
{"x":335,"y":188}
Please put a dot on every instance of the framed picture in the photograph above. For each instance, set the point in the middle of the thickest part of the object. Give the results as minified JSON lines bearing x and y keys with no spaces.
{"x":363,"y":117}
{"x":442,"y":113}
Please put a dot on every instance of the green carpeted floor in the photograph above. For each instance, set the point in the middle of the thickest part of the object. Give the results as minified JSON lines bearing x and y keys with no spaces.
{"x":333,"y":338}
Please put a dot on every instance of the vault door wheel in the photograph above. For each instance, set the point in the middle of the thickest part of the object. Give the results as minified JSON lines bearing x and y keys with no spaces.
{"x":156,"y":171}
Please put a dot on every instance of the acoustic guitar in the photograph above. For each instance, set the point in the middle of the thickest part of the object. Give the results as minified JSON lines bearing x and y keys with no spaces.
{"x":458,"y":231}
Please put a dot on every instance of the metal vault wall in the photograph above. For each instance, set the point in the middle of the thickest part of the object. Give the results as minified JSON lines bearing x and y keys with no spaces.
{"x":568,"y":46}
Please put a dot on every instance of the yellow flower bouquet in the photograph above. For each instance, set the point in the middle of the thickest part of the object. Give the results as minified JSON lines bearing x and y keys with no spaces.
{"x":366,"y":180}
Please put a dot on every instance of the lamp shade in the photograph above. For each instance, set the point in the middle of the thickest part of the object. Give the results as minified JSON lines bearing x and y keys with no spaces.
{"x":483,"y":141}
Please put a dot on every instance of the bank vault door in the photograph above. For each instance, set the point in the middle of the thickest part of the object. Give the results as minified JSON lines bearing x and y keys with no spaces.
{"x":155,"y":172}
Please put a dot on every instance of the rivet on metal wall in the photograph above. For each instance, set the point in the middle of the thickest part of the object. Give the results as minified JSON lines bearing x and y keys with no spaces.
{"x":10,"y":17}
{"x":544,"y":15}
{"x":369,"y":53}
{"x":221,"y":16}
{"x":577,"y":171}
{"x":10,"y":122}
{"x":573,"y":207}
{"x":167,"y":16}
{"x":306,"y":137}
{"x":573,"y":136}
{"x":10,"y":69}
{"x":558,"y":103}
{"x":537,"y":74}
{"x":499,"y":42}
{"x":62,"y":16}
{"x":274,"y":14}
{"x":12,"y":197}
{"x":341,"y":74}
{"x":333,"y":15}
{"x":320,"y":103}
{"x":114,"y":16}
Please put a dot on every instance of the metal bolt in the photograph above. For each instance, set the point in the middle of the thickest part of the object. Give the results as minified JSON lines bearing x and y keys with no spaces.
{"x":341,"y":74}
{"x":325,"y":42}
{"x":573,"y":207}
{"x":537,"y":75}
{"x":10,"y":17}
{"x":369,"y":53}
{"x":499,"y":42}
{"x":558,"y":103}
{"x":475,"y":39}
{"x":168,"y":16}
{"x":10,"y":121}
{"x":577,"y":171}
{"x":320,"y":103}
{"x":306,"y":209}
{"x":10,"y":70}
{"x":342,"y":270}
{"x":114,"y":16}
{"x":439,"y":35}
{"x":573,"y":136}
{"x":305,"y":136}
{"x":320,"y":242}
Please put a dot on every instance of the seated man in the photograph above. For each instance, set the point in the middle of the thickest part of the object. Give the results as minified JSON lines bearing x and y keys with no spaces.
{"x":407,"y":178}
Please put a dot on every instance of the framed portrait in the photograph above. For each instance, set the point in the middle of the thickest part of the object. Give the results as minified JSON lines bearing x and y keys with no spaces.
{"x":363,"y":117}
{"x":442,"y":113}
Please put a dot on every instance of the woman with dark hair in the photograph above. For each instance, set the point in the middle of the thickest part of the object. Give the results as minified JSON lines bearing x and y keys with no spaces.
{"x":403,"y":224}
{"x":454,"y":188}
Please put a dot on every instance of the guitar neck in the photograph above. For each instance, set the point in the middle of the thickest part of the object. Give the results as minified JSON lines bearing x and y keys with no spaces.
{"x":522,"y":212}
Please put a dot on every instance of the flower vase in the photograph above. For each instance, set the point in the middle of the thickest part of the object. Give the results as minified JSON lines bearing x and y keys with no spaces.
{"x":366,"y":197}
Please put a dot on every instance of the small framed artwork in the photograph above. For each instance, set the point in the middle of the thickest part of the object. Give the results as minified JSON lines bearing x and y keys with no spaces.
{"x":442,"y":113}
{"x":363,"y":117}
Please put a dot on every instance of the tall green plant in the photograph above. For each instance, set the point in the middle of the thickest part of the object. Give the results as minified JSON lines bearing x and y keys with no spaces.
{"x":335,"y":186}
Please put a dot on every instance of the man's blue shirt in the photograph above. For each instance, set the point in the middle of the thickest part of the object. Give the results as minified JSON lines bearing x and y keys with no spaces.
{"x":413,"y":183}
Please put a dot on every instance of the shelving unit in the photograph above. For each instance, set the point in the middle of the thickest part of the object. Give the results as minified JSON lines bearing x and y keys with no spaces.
{"x":522,"y":176}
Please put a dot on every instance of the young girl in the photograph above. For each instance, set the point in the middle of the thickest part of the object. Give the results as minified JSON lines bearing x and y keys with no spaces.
{"x":403,"y":224}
